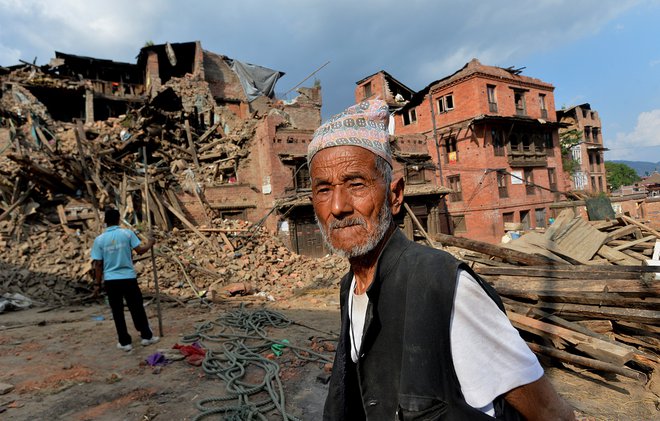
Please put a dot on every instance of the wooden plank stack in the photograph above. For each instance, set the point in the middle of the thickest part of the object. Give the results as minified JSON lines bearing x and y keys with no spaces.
{"x":595,"y":303}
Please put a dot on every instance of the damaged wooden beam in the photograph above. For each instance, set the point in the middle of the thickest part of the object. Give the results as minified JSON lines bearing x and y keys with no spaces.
{"x":493,"y":250}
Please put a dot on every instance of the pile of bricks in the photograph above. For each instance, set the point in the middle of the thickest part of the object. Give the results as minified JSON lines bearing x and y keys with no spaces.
{"x":54,"y":267}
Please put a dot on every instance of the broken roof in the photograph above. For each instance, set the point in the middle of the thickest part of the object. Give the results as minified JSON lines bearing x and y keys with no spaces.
{"x":475,"y":68}
{"x":389,"y":77}
{"x":564,"y":111}
{"x":95,"y":68}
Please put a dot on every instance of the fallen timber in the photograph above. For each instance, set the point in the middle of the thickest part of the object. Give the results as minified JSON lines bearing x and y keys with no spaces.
{"x":583,"y":293}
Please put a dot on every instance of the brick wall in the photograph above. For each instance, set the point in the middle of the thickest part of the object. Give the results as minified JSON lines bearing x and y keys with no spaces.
{"x":378,"y":89}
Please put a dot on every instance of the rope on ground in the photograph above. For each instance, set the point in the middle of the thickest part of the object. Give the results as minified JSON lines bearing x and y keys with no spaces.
{"x":242,"y":338}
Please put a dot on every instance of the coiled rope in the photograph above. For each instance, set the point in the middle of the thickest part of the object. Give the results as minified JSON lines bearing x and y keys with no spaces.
{"x":238,"y":339}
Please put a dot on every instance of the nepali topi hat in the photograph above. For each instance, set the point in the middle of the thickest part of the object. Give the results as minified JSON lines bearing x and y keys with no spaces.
{"x":363,"y":125}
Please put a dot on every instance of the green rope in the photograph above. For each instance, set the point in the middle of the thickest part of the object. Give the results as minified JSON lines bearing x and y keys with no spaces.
{"x":239,"y":339}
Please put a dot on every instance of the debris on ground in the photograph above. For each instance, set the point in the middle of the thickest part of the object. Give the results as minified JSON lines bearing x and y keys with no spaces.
{"x":583,"y":293}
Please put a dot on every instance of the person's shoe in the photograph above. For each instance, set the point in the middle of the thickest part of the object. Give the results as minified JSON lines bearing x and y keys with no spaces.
{"x":125,"y":347}
{"x":153,"y":340}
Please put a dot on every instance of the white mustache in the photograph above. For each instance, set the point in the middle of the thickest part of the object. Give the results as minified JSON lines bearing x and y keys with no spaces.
{"x":347,"y":222}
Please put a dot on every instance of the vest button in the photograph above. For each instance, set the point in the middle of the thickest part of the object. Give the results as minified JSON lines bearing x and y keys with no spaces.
{"x":372,"y":402}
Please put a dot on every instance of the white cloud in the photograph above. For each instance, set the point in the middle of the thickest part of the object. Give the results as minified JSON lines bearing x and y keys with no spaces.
{"x":93,"y":27}
{"x":642,"y":143}
{"x":417,"y":41}
{"x":8,"y":55}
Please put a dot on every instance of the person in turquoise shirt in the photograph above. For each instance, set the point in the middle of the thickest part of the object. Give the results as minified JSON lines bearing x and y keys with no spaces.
{"x":113,"y":265}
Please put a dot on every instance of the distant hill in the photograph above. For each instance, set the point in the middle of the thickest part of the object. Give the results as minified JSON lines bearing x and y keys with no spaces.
{"x":642,"y":168}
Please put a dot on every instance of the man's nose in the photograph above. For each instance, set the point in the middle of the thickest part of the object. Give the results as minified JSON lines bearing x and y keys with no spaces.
{"x":342,"y":203}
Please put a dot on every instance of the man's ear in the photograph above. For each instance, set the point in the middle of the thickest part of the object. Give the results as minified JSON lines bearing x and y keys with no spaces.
{"x":396,"y":195}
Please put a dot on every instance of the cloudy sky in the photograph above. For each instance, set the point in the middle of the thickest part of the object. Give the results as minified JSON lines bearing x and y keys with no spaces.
{"x":605,"y":52}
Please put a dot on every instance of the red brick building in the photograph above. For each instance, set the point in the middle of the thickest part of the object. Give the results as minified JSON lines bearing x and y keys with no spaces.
{"x":589,"y":176}
{"x":491,"y":135}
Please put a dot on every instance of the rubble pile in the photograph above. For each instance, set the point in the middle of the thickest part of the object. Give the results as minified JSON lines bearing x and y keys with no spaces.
{"x":235,"y":258}
{"x":47,"y":265}
{"x":238,"y":259}
{"x":103,"y":162}
{"x":57,"y":176}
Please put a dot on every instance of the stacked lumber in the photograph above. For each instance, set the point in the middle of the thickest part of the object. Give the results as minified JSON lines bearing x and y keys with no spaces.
{"x":572,"y":240}
{"x":602,"y":317}
{"x":581,"y":293}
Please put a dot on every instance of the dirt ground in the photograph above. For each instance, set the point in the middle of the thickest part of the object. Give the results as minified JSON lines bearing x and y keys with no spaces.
{"x":63,"y":364}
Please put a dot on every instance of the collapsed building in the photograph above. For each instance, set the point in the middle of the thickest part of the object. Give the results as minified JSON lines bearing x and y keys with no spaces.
{"x":218,"y":141}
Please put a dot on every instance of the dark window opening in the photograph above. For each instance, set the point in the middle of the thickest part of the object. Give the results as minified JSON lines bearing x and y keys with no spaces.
{"x":507,"y":217}
{"x":302,"y":179}
{"x":502,"y":185}
{"x":516,"y":146}
{"x":235,"y":214}
{"x":549,"y":144}
{"x":539,"y":142}
{"x":498,"y":142}
{"x":552,"y":179}
{"x":415,"y":174}
{"x":492,"y":99}
{"x":185,"y":60}
{"x":519,"y":99}
{"x":528,"y":175}
{"x":445,"y":103}
{"x":451,"y":153}
{"x":449,"y":102}
{"x":367,"y":90}
{"x":409,"y":117}
{"x":62,"y":104}
{"x":544,"y":110}
{"x":454,"y":182}
{"x":524,"y":219}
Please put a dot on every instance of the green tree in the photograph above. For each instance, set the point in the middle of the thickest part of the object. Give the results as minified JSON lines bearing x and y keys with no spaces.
{"x":620,"y":175}
{"x":567,"y":140}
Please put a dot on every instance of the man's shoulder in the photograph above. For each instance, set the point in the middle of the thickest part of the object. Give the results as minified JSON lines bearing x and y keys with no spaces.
{"x":423,"y":252}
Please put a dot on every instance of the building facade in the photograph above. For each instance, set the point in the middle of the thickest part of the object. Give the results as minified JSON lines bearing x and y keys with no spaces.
{"x":584,"y":124}
{"x":492,"y":138}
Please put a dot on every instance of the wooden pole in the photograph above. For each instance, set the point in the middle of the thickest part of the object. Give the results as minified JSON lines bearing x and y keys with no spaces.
{"x":493,"y":250}
{"x":588,"y":362}
{"x":153,"y":256}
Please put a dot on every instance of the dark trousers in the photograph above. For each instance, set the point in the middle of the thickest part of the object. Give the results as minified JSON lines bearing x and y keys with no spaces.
{"x":119,"y":290}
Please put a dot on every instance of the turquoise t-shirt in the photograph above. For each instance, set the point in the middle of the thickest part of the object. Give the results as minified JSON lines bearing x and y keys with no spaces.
{"x":115,"y":247}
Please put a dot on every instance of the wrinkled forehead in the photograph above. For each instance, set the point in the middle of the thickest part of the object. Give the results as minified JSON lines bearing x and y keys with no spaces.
{"x":343,"y":159}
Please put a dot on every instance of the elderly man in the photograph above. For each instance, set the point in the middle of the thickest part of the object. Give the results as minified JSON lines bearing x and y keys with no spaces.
{"x":422,"y":336}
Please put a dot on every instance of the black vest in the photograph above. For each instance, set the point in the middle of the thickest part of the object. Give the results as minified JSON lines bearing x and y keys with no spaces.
{"x":405,"y":370}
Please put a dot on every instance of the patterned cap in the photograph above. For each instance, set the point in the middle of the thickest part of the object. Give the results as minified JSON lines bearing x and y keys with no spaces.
{"x":363,"y":125}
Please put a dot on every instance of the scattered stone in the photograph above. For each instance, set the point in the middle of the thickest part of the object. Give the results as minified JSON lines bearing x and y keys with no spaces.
{"x":6,"y":388}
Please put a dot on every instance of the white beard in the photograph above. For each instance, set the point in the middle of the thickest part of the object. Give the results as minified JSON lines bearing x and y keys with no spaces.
{"x":384,"y":220}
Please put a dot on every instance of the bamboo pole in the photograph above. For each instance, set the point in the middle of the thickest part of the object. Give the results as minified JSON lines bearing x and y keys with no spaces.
{"x":153,"y":256}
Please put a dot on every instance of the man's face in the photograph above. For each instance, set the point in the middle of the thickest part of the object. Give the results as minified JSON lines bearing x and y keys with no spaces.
{"x":350,"y":199}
